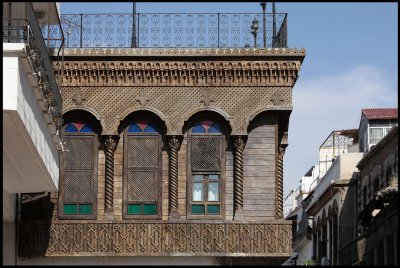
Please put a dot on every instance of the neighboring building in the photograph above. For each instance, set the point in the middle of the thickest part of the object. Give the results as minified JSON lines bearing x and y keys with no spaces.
{"x":375,"y":123}
{"x":173,"y":155}
{"x":329,"y":222}
{"x":31,"y":111}
{"x":301,"y":245}
{"x":378,"y":203}
{"x":319,"y":200}
{"x":353,"y":188}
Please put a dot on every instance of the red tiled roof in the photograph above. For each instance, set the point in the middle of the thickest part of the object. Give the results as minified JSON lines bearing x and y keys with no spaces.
{"x":380,"y":113}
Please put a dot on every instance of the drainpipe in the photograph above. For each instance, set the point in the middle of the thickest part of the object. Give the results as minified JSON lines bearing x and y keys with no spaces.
{"x":17,"y":220}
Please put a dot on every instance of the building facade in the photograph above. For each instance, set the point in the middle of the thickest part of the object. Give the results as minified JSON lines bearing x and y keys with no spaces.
{"x":171,"y":154}
{"x":378,"y":203}
{"x":32,"y":111}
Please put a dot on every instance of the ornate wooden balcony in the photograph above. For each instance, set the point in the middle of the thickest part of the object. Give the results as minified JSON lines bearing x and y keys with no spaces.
{"x":272,"y":239}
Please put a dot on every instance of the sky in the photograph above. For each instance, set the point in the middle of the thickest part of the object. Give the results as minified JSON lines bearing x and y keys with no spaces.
{"x":351,"y":63}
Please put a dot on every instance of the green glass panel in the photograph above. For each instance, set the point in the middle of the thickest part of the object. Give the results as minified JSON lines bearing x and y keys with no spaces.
{"x":85,"y":209}
{"x":198,"y":209}
{"x":70,"y":209}
{"x":135,"y":209}
{"x":198,"y":177}
{"x":213,"y":177}
{"x":149,"y":209}
{"x":213,"y":209}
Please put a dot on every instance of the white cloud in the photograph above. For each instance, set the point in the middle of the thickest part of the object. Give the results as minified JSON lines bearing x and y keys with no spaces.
{"x":324,"y":104}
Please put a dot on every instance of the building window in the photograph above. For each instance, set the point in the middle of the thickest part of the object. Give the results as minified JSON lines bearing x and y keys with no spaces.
{"x":142,"y":156}
{"x":78,"y":184}
{"x":377,"y":133}
{"x":206,"y":155}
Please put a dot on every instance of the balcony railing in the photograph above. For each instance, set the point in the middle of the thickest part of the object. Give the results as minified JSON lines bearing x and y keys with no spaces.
{"x":155,"y":239}
{"x":27,"y":30}
{"x":173,"y":30}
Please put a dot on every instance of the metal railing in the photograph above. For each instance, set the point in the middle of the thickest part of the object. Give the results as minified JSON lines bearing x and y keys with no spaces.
{"x":173,"y":30}
{"x":27,"y":30}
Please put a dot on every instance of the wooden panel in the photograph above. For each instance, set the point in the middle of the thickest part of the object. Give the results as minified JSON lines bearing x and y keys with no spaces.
{"x":79,"y":174}
{"x":259,"y":172}
{"x":142,"y":181}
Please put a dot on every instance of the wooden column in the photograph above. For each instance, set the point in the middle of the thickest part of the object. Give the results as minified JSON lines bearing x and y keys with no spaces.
{"x":238,"y":143}
{"x":174,"y":144}
{"x":110,"y":146}
{"x":279,"y":181}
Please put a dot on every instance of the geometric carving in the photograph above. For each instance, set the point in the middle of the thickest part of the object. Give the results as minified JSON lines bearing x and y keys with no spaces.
{"x":142,"y":99}
{"x":78,"y":99}
{"x":239,"y":102}
{"x":155,"y":239}
{"x":206,"y":100}
{"x":277,"y":99}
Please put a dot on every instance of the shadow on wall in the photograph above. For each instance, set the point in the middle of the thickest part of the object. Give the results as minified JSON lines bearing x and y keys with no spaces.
{"x":35,"y":225}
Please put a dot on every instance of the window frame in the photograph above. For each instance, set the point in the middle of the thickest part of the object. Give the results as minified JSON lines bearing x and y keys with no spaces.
{"x":221,"y":173}
{"x":94,"y":190}
{"x":158,"y":173}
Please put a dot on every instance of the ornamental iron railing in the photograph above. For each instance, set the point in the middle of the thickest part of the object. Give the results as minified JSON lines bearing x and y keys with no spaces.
{"x":173,"y":30}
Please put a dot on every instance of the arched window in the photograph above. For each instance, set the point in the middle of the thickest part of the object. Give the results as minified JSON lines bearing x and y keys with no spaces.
{"x":206,"y":161}
{"x":78,"y":184}
{"x":142,"y":178}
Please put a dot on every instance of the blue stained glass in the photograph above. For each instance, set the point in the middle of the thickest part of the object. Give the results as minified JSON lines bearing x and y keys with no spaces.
{"x":214,"y":129}
{"x":198,"y":129}
{"x":86,"y":129}
{"x":70,"y":128}
{"x":134,"y":128}
{"x":150,"y":128}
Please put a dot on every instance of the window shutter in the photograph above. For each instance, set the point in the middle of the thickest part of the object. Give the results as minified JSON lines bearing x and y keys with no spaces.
{"x":206,"y":153}
{"x":79,"y":169}
{"x":142,"y":178}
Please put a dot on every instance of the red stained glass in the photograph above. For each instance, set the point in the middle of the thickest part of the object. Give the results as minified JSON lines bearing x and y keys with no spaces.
{"x":206,"y":124}
{"x":78,"y":125}
{"x":142,"y":124}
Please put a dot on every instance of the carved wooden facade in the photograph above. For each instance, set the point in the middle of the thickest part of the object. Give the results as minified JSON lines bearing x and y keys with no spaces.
{"x":248,"y":91}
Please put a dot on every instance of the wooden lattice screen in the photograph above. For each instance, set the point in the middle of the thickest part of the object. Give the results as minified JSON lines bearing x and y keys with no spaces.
{"x":142,"y":173}
{"x":206,"y":153}
{"x":79,"y":171}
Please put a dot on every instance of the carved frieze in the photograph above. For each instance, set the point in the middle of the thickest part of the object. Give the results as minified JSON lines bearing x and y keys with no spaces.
{"x":186,"y":73}
{"x":175,"y":105}
{"x":155,"y":239}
